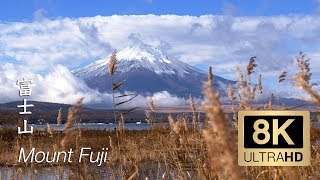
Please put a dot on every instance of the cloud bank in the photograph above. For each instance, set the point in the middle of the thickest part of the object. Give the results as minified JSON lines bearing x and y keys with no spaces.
{"x":36,"y":48}
{"x":59,"y":85}
{"x":204,"y":40}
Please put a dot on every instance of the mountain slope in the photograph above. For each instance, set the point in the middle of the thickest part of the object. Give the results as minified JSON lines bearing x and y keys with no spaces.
{"x":147,"y":70}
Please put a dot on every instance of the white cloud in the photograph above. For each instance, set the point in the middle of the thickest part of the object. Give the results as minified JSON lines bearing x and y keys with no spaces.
{"x":59,"y":85}
{"x":220,"y":41}
{"x":206,"y":39}
{"x":161,"y":99}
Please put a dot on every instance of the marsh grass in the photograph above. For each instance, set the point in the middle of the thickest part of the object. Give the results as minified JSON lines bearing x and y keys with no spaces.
{"x":193,"y":147}
{"x":175,"y":153}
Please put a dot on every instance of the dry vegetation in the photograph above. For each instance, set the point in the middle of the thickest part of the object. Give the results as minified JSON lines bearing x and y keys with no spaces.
{"x":192,"y":148}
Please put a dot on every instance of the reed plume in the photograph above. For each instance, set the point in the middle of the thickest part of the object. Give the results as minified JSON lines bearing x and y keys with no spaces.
{"x":148,"y":116}
{"x":112,"y":63}
{"x":259,"y":84}
{"x":242,"y":103}
{"x":251,"y":65}
{"x":49,"y":130}
{"x":152,"y":106}
{"x":302,"y":79}
{"x":116,"y":87}
{"x":219,"y":137}
{"x":192,"y":105}
{"x":250,"y":69}
{"x":59,"y":118}
{"x":74,"y":116}
{"x":171,"y":122}
{"x":271,"y":102}
{"x":178,"y":128}
{"x":193,"y":108}
{"x":210,"y":76}
{"x":121,"y":123}
{"x":232,"y":97}
{"x":231,"y":94}
{"x":246,"y":92}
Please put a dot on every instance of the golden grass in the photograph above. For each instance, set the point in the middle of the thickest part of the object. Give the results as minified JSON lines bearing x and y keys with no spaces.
{"x":201,"y":151}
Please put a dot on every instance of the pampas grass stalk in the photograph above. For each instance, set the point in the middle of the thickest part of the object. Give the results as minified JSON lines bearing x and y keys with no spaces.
{"x":241,"y":102}
{"x":260,"y":84}
{"x":210,"y":76}
{"x":49,"y":130}
{"x":271,"y":102}
{"x":74,"y":116}
{"x":59,"y":118}
{"x":246,"y":92}
{"x":152,"y":105}
{"x":121,"y":123}
{"x":112,"y":70}
{"x":152,"y":108}
{"x":232,"y":97}
{"x":112,"y":63}
{"x":302,"y":79}
{"x":148,"y":116}
{"x":193,"y":108}
{"x":219,"y":137}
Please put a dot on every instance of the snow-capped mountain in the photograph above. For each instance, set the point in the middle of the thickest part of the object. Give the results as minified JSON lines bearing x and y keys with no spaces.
{"x":147,"y":70}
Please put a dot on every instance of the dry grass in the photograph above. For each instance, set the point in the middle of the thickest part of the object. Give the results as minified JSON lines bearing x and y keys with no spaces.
{"x":74,"y":116}
{"x":220,"y":138}
{"x":201,"y":151}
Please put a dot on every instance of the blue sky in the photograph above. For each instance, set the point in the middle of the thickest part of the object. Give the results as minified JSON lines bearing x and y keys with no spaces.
{"x":23,"y":10}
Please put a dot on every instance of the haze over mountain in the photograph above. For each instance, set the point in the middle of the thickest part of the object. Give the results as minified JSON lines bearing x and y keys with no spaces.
{"x":148,"y":70}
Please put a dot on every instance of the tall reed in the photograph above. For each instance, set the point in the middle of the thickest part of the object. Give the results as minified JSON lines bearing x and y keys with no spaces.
{"x":302,"y":79}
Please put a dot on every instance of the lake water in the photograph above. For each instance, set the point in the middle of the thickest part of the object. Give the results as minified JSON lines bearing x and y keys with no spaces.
{"x":108,"y":127}
{"x":93,"y":126}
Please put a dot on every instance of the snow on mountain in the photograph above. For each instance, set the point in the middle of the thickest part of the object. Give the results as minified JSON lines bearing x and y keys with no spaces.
{"x":148,"y":70}
{"x":135,"y":57}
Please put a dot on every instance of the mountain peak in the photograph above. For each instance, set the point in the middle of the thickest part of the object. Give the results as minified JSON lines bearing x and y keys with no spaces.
{"x":142,"y":52}
{"x":146,"y":70}
{"x":138,"y":57}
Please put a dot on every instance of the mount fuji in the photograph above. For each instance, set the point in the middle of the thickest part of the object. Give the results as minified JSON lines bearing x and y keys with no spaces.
{"x":148,"y":70}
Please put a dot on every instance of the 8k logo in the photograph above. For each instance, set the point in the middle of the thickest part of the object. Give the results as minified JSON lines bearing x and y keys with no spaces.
{"x":274,"y":138}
